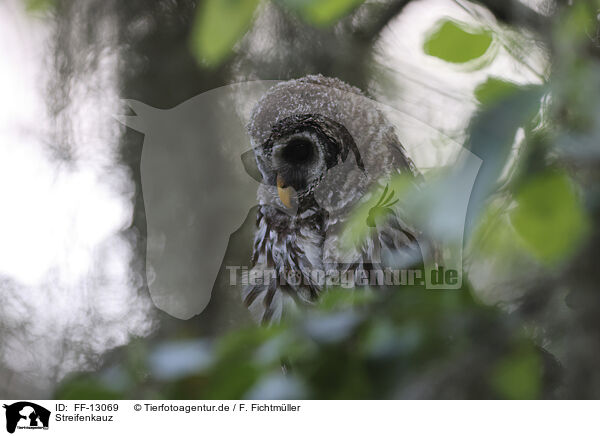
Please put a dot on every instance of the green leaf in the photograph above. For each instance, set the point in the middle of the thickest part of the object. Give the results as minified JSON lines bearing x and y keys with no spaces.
{"x":549,"y":217}
{"x":454,"y":42}
{"x":518,"y":376}
{"x":219,"y":25}
{"x":322,"y":12}
{"x":494,"y":90}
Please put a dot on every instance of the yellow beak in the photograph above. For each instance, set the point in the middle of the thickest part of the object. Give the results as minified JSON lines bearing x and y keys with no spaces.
{"x":285,"y":193}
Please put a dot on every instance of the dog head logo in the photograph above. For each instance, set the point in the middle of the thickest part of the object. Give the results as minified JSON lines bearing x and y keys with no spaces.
{"x":26,"y":415}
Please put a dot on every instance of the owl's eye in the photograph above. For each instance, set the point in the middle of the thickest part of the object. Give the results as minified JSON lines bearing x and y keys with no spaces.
{"x":298,"y":151}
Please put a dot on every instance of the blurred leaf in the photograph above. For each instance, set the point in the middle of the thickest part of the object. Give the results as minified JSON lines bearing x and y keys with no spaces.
{"x":236,"y":369}
{"x":277,"y":386}
{"x":331,"y":328}
{"x":219,"y":25}
{"x":86,"y":389}
{"x":579,"y":23}
{"x":177,"y":359}
{"x":494,"y":90}
{"x":339,"y":298}
{"x":549,"y":216}
{"x":518,"y":376}
{"x":453,"y":42}
{"x":492,"y":137}
{"x":39,"y":5}
{"x":384,"y":340}
{"x":496,"y":238}
{"x":272,"y":350}
{"x":322,"y":12}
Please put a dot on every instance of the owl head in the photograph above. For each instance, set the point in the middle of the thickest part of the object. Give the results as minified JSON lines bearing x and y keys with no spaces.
{"x":300,"y":150}
{"x":319,"y":138}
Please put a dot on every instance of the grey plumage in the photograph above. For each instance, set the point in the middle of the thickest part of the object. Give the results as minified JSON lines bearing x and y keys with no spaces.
{"x":329,"y":145}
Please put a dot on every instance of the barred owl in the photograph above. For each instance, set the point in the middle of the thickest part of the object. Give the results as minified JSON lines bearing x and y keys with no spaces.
{"x":321,"y":148}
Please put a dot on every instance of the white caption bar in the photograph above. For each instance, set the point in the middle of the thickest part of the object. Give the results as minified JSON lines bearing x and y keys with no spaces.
{"x":300,"y":417}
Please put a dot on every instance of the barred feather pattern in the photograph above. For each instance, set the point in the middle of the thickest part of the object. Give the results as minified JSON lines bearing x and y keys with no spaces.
{"x":289,"y":246}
